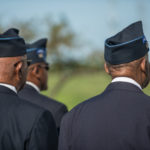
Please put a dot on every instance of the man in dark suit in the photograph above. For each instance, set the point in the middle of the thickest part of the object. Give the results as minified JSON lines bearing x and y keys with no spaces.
{"x":37,"y":81}
{"x":23,"y":126}
{"x":119,"y":118}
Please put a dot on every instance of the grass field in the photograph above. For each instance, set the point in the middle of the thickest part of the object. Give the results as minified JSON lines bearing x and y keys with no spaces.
{"x":79,"y":87}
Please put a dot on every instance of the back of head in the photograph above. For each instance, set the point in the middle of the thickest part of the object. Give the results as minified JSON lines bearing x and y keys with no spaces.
{"x":126,"y":54}
{"x":12,"y":57}
{"x":37,"y":71}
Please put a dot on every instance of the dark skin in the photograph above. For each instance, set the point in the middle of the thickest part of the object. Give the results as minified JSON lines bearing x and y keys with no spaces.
{"x":13,"y":71}
{"x":38,"y":75}
{"x":138,"y":70}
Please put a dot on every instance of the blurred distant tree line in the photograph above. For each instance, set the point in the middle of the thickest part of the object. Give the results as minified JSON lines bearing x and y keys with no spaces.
{"x":60,"y":36}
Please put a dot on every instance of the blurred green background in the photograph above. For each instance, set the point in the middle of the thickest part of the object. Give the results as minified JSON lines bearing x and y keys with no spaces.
{"x":77,"y":87}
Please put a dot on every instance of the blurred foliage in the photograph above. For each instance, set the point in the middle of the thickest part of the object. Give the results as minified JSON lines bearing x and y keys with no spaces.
{"x":79,"y":87}
{"x":87,"y":64}
{"x":95,"y":60}
{"x":71,"y":80}
{"x":27,"y":29}
{"x":1,"y":29}
{"x":59,"y":34}
{"x":60,"y":37}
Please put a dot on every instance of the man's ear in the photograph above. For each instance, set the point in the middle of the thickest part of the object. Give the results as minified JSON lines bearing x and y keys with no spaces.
{"x":18,"y":70}
{"x":142,"y":65}
{"x":106,"y":68}
{"x":36,"y":72}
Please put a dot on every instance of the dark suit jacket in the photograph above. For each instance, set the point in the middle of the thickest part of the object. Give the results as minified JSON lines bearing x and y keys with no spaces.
{"x":117,"y":119}
{"x":56,"y":108}
{"x":24,"y":126}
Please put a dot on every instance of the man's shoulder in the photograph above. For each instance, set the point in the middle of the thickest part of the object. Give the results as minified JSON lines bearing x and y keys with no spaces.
{"x":77,"y":110}
{"x":25,"y":107}
{"x":19,"y":104}
{"x":104,"y":99}
{"x":23,"y":111}
{"x":30,"y":110}
{"x":52,"y":101}
{"x":27,"y":89}
{"x":33,"y":96}
{"x":27,"y":92}
{"x":30,"y":106}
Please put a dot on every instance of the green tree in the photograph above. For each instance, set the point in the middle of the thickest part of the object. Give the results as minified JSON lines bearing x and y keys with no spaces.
{"x":60,"y":34}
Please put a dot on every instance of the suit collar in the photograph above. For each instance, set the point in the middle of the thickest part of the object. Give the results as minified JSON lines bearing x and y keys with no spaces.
{"x":123,"y":86}
{"x":9,"y":86}
{"x":33,"y":86}
{"x":4,"y":89}
{"x":126,"y":79}
{"x":29,"y":87}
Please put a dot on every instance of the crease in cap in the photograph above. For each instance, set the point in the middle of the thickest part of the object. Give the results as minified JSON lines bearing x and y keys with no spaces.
{"x":11,"y":44}
{"x":128,"y":45}
{"x":36,"y":52}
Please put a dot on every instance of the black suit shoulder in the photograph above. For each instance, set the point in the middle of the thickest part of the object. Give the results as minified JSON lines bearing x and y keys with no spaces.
{"x":138,"y":98}
{"x":18,"y":106}
{"x":57,"y":109}
{"x":20,"y":121}
{"x":55,"y":105}
{"x":131,"y":96}
{"x":121,"y":113}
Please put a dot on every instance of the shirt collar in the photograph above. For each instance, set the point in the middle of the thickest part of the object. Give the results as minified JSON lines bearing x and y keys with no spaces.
{"x":33,"y":85}
{"x":9,"y":86}
{"x":126,"y":79}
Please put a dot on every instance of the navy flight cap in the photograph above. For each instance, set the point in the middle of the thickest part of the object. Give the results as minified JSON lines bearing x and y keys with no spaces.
{"x":36,"y":52}
{"x":11,"y":44}
{"x":128,"y":45}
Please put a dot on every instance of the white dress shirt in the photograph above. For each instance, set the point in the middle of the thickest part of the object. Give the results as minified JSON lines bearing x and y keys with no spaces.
{"x":11,"y":87}
{"x":126,"y":79}
{"x":33,"y":85}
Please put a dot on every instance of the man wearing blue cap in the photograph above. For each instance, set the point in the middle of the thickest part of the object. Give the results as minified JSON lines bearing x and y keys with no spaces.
{"x":23,"y":126}
{"x":119,"y":118}
{"x":37,"y":81}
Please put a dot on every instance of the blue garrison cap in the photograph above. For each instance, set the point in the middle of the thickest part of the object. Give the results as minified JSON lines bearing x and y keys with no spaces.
{"x":36,"y":52}
{"x":11,"y":44}
{"x":128,"y":45}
